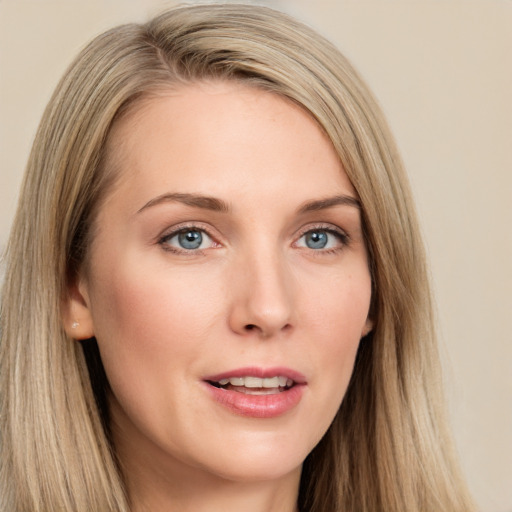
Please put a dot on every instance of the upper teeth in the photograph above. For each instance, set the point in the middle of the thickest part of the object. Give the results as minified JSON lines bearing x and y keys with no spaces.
{"x":256,"y":382}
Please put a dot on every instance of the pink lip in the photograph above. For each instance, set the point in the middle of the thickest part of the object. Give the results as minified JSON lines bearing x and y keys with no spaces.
{"x":258,"y":406}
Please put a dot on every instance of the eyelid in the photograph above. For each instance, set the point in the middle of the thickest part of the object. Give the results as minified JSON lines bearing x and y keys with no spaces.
{"x":186,"y":226}
{"x":329,"y":228}
{"x":322,"y":226}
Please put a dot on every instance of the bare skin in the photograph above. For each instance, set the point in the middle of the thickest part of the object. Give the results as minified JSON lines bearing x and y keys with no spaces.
{"x":232,"y":240}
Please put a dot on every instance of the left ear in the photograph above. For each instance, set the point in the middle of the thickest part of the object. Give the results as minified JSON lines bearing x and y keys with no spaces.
{"x":76,"y":311}
{"x":368,"y":326}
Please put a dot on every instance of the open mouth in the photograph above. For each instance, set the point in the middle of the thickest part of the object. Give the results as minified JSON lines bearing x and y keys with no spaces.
{"x":254,"y":385}
{"x":257,"y":392}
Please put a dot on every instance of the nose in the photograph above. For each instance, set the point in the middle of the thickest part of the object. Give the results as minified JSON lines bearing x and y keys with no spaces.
{"x":263,"y":299}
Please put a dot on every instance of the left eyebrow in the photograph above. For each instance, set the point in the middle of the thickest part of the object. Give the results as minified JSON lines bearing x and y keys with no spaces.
{"x":329,"y":202}
{"x":197,"y":201}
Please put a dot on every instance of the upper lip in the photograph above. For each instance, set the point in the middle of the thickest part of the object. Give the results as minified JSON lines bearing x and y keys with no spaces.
{"x":262,"y":373}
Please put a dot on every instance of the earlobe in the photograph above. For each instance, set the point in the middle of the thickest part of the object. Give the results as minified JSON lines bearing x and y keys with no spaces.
{"x":76,"y":312}
{"x":368,"y":326}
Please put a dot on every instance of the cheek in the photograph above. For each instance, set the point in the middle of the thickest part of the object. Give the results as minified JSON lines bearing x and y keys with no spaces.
{"x":151,"y":323}
{"x":342,"y":315}
{"x":152,"y":328}
{"x":143,"y":299}
{"x":339,"y":306}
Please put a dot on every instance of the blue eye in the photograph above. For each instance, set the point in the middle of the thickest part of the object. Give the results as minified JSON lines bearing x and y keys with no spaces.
{"x":188,"y":239}
{"x":316,"y":239}
{"x":322,"y":239}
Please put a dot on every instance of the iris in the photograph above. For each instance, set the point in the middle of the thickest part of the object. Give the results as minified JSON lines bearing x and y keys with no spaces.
{"x":316,"y":239}
{"x":190,"y":239}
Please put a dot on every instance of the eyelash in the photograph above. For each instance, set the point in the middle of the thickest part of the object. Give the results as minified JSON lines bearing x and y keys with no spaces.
{"x":342,"y":237}
{"x":164,"y":240}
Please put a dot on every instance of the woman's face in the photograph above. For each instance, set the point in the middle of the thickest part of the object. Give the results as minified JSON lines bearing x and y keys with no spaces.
{"x":227,"y":284}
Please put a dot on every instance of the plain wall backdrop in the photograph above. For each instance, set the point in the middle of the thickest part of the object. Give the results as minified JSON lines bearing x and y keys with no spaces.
{"x":442,"y":71}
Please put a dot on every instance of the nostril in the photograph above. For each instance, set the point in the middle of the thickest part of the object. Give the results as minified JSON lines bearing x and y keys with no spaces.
{"x":264,"y":332}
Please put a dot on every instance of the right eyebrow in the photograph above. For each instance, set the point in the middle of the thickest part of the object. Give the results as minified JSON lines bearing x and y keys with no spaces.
{"x":198,"y":201}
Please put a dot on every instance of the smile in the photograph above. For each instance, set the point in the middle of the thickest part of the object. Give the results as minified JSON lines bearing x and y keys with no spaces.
{"x":256,"y":392}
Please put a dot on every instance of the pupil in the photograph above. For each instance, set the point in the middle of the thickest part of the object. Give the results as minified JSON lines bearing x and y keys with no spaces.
{"x":190,"y":239}
{"x":316,"y":239}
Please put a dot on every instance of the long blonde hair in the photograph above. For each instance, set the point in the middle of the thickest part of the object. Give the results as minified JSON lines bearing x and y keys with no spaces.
{"x":388,"y":448}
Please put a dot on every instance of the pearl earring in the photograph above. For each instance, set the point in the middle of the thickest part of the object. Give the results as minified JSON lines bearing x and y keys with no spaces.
{"x":74,"y":325}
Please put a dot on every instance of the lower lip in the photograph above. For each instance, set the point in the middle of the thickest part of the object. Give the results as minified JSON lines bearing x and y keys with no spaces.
{"x":258,"y":406}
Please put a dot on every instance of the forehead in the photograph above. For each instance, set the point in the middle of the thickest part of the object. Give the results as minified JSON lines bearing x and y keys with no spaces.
{"x":217,"y":135}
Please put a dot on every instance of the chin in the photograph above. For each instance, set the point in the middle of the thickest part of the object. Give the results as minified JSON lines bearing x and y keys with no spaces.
{"x":259,"y":460}
{"x":270,"y":471}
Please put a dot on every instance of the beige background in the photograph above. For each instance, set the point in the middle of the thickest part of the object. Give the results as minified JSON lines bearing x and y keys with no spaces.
{"x":442,"y":71}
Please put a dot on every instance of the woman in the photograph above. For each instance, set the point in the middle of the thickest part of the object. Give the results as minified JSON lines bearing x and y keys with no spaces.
{"x":216,"y":293}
